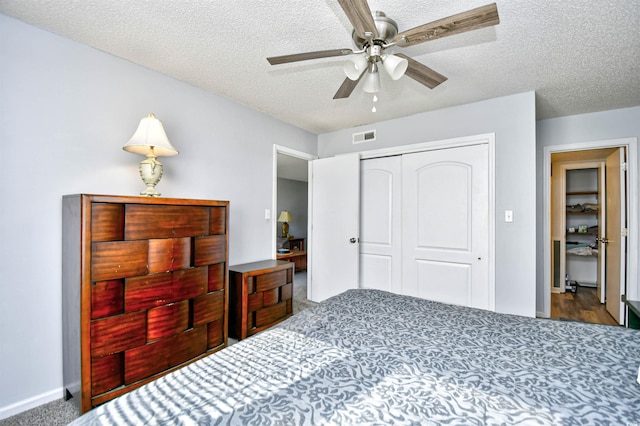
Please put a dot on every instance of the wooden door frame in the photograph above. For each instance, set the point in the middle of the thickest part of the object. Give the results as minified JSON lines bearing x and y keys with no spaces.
{"x":632,"y":290}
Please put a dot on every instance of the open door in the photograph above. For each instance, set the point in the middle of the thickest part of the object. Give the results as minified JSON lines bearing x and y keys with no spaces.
{"x":334,"y":215}
{"x":618,"y":160}
{"x":614,"y":242}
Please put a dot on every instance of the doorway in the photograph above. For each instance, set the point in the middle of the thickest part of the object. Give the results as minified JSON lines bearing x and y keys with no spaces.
{"x":586,"y":304}
{"x":578,"y":227}
{"x":290,"y":194}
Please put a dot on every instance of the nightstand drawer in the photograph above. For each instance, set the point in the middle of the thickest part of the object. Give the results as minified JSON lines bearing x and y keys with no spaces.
{"x":270,"y":281}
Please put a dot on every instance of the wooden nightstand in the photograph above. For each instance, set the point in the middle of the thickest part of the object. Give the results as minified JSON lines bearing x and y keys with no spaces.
{"x":260,"y":296}
{"x":299,"y":259}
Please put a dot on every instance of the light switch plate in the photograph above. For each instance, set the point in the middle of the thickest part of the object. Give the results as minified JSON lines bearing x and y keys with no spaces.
{"x":508,"y":215}
{"x":267,"y":214}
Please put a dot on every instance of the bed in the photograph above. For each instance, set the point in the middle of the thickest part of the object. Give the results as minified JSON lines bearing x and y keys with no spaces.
{"x":372,"y":357}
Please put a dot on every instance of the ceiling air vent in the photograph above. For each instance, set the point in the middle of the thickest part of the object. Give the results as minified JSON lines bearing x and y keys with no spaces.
{"x":368,"y":136}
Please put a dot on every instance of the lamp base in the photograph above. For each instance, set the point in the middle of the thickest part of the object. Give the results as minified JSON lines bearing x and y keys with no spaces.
{"x":150,"y":192}
{"x":285,"y":230}
{"x":150,"y":173}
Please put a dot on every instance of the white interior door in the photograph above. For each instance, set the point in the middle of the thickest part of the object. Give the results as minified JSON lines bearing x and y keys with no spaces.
{"x":334,"y":217}
{"x":614,"y":240}
{"x":381,"y":223}
{"x":446,"y":226}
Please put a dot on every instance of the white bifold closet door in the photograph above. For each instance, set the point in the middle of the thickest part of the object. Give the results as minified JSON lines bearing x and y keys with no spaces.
{"x":381,"y":223}
{"x":445,"y":221}
{"x":425,"y":225}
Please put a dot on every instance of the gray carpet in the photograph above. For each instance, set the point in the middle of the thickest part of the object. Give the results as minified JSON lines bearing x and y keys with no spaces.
{"x":56,"y":413}
{"x":60,"y":412}
{"x":300,"y":301}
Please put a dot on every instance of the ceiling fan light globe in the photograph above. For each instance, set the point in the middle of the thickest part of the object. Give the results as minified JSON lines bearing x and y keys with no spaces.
{"x":394,"y":65}
{"x":355,"y":66}
{"x":371,"y":82}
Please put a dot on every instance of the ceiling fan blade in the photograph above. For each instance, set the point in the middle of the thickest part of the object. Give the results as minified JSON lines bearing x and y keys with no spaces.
{"x":346,"y":88}
{"x":360,"y":16}
{"x":466,"y":21}
{"x":276,"y":60}
{"x":422,"y":73}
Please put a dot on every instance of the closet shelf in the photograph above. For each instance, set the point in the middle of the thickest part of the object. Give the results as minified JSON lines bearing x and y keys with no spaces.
{"x":582,"y":255}
{"x":581,"y":193}
{"x":582,"y":211}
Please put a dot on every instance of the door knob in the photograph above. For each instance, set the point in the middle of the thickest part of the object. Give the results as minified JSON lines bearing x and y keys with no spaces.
{"x":604,"y":240}
{"x":352,"y":240}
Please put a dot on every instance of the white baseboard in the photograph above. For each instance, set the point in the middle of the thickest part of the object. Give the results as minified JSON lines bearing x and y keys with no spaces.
{"x":540,"y":314}
{"x":29,"y":403}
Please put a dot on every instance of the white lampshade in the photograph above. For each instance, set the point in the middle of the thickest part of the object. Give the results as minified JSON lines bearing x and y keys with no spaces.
{"x":372,"y":80}
{"x":151,"y":141}
{"x":395,"y":65}
{"x":355,"y":66}
{"x":150,"y":134}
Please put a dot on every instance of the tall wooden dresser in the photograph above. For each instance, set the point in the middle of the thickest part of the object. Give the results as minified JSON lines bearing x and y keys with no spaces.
{"x":145,"y":290}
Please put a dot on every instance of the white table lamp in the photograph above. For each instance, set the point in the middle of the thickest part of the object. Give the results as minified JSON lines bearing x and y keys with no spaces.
{"x":151,"y":141}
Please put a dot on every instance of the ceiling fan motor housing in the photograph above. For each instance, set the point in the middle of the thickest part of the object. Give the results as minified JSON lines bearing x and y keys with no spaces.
{"x":386,"y":27}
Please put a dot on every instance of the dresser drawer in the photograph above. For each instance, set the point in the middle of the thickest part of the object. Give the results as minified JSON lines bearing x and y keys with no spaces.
{"x":167,"y":221}
{"x":119,"y":259}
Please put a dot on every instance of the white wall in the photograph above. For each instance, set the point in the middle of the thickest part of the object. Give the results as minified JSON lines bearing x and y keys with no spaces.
{"x":512,"y":119}
{"x":66,"y":110}
{"x":599,"y":126}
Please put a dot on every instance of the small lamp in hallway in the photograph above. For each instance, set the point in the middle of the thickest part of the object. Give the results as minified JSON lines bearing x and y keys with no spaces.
{"x":285,"y":218}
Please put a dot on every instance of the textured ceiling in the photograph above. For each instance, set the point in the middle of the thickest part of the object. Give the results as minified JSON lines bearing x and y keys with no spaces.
{"x":578,"y":56}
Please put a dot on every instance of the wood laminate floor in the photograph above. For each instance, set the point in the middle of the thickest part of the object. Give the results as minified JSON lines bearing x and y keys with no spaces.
{"x":582,"y":306}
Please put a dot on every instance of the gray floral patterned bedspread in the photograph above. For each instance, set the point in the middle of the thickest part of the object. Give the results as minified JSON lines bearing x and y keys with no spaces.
{"x":369,"y":357}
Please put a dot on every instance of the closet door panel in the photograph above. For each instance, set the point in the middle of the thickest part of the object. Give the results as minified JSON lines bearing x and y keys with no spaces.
{"x":445,"y":248}
{"x":445,"y":282}
{"x":381,"y":224}
{"x":444,"y":201}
